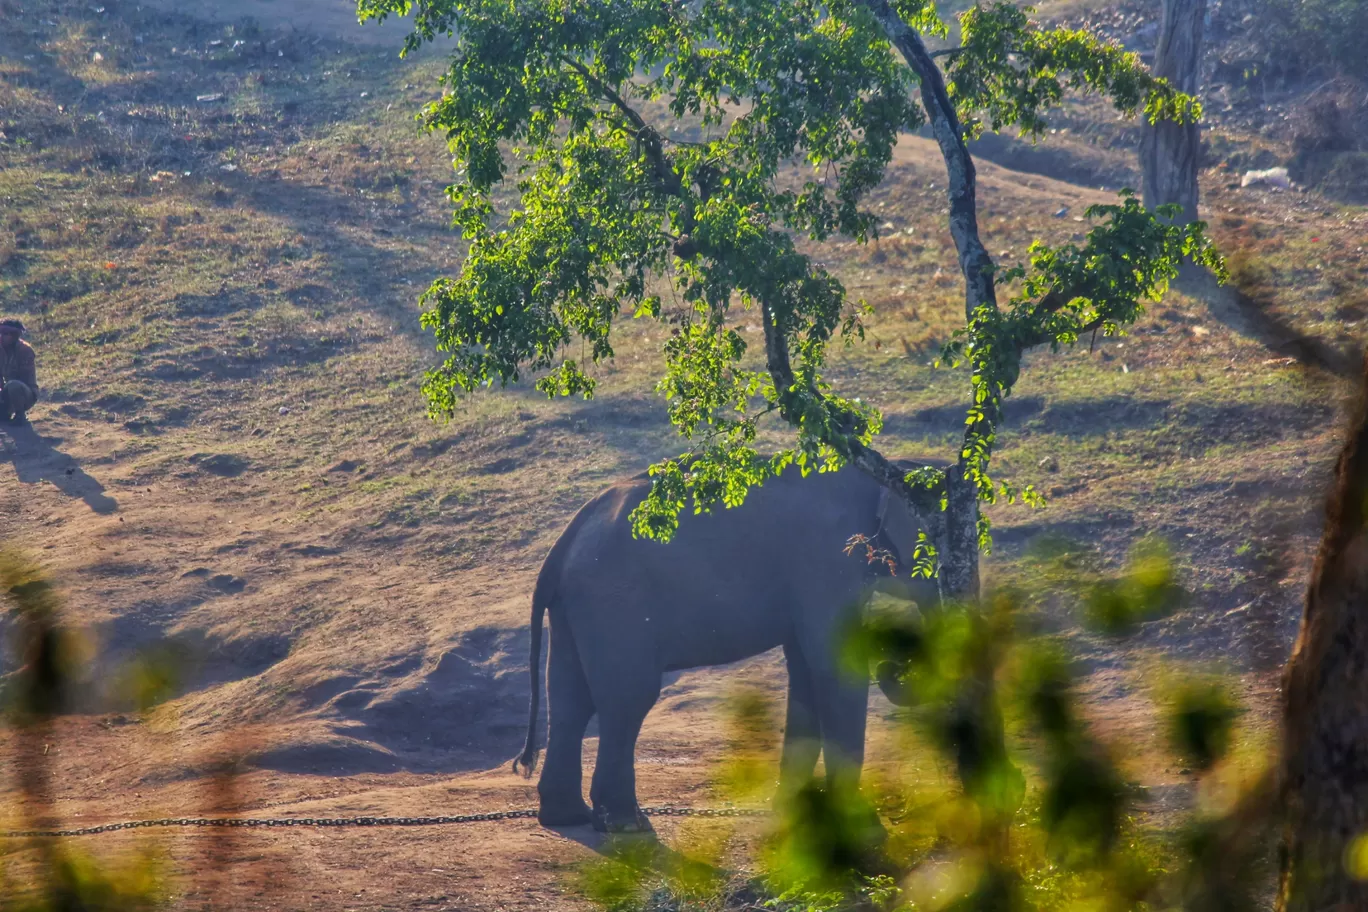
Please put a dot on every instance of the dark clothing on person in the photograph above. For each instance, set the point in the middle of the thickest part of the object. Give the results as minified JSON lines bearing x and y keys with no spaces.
{"x":19,"y":366}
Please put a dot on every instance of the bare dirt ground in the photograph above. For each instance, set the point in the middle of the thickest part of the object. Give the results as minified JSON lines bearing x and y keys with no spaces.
{"x":334,"y":18}
{"x":232,"y":460}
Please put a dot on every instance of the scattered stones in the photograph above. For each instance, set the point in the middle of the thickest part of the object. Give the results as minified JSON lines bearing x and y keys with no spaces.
{"x":284,"y":410}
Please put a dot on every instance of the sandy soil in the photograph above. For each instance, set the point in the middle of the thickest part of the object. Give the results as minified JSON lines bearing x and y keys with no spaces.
{"x":432,"y":736}
{"x":115,"y":767}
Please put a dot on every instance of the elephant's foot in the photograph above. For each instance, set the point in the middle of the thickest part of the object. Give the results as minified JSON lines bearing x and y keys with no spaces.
{"x":564,"y":813}
{"x":621,"y":821}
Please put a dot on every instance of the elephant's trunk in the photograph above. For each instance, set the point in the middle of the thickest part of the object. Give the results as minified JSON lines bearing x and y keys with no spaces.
{"x":896,"y":692}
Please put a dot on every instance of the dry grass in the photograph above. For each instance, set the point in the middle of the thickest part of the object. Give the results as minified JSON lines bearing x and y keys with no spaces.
{"x":264,"y":318}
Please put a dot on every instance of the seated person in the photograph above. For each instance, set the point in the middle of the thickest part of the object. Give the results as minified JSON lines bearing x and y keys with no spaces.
{"x":18,"y":378}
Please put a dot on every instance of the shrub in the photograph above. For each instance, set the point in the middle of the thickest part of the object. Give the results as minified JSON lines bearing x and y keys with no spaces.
{"x":1348,"y":177}
{"x":1330,"y":141}
{"x":1305,"y":34}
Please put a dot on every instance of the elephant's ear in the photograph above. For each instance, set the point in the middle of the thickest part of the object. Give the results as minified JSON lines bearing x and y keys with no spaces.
{"x":898,"y":528}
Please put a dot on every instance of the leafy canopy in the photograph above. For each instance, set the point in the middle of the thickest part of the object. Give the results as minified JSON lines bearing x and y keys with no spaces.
{"x":682,"y":148}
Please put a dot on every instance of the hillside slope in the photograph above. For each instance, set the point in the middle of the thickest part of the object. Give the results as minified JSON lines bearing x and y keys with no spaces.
{"x":217,"y":233}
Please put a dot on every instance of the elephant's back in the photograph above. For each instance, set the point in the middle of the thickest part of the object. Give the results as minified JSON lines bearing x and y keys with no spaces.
{"x":590,"y":531}
{"x":730,"y":583}
{"x":786,"y":516}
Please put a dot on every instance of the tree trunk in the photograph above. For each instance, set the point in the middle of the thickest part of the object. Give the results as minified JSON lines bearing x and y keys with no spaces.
{"x":1170,"y":152}
{"x":1325,"y":764}
{"x":959,"y":576}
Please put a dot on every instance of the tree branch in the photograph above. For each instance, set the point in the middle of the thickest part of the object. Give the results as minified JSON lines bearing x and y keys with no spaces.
{"x":923,"y":503}
{"x":960,"y":572}
{"x":777,"y":361}
{"x":974,"y":260}
{"x":607,"y":93}
{"x":649,"y":138}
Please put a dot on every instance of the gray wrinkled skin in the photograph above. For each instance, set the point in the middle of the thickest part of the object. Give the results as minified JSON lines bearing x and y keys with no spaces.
{"x":732,"y":584}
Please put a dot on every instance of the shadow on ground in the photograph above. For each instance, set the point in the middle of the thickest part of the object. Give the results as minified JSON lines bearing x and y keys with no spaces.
{"x":36,"y":459}
{"x":465,"y":711}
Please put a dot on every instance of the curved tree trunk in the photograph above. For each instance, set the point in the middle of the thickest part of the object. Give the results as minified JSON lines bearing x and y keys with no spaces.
{"x":1325,"y":763}
{"x":1170,"y":152}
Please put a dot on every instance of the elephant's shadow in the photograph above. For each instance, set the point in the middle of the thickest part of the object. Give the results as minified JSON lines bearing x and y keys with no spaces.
{"x":467,"y":711}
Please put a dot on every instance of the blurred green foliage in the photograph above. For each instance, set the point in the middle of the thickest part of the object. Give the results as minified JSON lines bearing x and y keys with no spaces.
{"x":42,"y":874}
{"x":1036,"y":810}
{"x":1201,"y":719}
{"x":1113,"y":605}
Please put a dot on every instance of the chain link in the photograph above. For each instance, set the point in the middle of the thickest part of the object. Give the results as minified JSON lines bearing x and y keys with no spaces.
{"x":354,"y":821}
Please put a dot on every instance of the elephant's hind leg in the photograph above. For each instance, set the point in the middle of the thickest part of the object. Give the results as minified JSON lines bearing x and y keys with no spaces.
{"x":622,"y":705}
{"x":569,"y":707}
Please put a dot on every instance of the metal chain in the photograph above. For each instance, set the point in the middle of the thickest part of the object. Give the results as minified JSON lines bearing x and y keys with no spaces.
{"x":354,"y":821}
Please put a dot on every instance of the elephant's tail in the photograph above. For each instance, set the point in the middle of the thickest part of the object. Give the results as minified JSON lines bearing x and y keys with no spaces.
{"x":526,"y":762}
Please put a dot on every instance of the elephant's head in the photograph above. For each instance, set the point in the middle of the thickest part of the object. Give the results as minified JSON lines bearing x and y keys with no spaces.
{"x":898,"y":532}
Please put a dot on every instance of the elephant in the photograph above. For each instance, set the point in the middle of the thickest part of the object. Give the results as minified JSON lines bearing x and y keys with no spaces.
{"x":733,"y":583}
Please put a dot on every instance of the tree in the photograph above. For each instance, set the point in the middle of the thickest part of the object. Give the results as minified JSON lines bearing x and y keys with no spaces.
{"x":799,"y":105}
{"x":1170,"y":151}
{"x":1325,"y":710}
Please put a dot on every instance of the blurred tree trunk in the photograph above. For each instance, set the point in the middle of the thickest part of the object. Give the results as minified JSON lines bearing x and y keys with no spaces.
{"x":1325,"y":763}
{"x":1170,"y":152}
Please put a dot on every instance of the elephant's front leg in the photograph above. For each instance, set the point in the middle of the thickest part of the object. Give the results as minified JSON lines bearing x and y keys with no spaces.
{"x":622,"y":703}
{"x":802,"y":732}
{"x":843,"y":708}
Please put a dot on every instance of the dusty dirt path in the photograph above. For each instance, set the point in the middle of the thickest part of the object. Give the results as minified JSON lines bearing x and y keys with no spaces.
{"x":69,"y":499}
{"x":118,"y":767}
